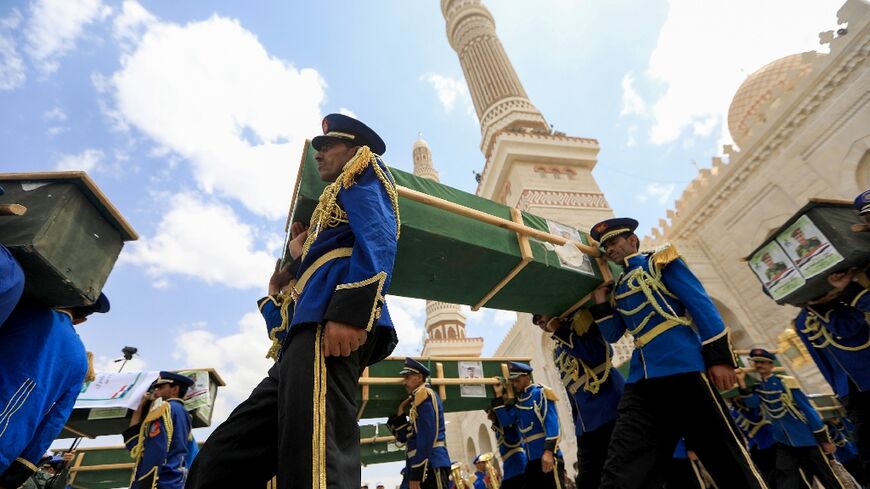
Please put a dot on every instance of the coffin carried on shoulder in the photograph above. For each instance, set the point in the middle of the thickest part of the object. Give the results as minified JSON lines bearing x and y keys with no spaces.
{"x":377,"y":445}
{"x":794,"y":262}
{"x":68,"y":239}
{"x":105,"y":405}
{"x":462,"y":383}
{"x":459,"y":248}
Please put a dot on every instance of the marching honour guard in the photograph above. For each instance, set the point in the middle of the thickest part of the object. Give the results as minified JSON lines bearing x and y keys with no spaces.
{"x":594,"y":388}
{"x":682,"y":354}
{"x":327,"y":318}
{"x":158,"y":442}
{"x":422,"y":430}
{"x":512,"y":452}
{"x":800,"y":435}
{"x":534,"y":415}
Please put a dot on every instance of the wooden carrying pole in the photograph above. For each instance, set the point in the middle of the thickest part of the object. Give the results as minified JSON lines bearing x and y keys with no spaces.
{"x":494,"y":220}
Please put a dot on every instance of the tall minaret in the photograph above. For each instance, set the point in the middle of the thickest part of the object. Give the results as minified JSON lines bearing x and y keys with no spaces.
{"x":528,"y":165}
{"x":445,"y":323}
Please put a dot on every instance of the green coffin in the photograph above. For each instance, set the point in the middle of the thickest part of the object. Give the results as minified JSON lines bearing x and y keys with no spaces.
{"x":381,"y":390}
{"x":451,"y":258}
{"x":68,"y":240}
{"x":793,"y":272}
{"x":377,"y":445}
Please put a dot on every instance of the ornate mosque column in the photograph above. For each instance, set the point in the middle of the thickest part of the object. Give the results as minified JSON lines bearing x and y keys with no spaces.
{"x":445,"y":323}
{"x":528,"y":165}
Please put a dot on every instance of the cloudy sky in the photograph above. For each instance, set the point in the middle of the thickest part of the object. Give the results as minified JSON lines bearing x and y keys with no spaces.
{"x":191,"y":117}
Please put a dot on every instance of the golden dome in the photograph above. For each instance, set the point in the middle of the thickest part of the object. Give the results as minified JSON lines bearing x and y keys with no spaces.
{"x":758,"y":88}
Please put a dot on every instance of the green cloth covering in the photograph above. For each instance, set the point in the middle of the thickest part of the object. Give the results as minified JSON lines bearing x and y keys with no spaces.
{"x":450,"y":258}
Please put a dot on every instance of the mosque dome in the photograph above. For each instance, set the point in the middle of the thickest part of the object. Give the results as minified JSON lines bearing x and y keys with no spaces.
{"x":758,"y":88}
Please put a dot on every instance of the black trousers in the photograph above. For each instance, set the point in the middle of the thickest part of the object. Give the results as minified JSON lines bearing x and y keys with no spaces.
{"x":299,"y":423}
{"x":535,"y":478}
{"x":654,"y":414}
{"x":765,"y":460}
{"x":790,"y":461}
{"x":858,"y":412}
{"x":684,"y":474}
{"x":515,"y":482}
{"x":592,"y":453}
{"x":437,"y":478}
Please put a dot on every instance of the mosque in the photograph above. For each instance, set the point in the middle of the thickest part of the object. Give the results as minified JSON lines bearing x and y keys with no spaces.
{"x":800,"y":125}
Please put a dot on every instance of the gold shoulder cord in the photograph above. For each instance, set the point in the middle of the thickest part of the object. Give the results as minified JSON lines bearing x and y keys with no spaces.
{"x":816,"y":330}
{"x":163,"y":413}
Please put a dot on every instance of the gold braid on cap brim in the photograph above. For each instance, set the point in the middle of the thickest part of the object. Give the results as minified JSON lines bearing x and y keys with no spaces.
{"x":329,"y":214}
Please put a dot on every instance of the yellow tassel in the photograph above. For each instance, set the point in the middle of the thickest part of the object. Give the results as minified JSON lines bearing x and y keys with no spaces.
{"x":581,"y":322}
{"x":665,"y":255}
{"x":90,"y":375}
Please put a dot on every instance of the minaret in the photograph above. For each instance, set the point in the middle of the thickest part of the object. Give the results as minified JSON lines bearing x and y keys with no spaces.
{"x":528,"y":165}
{"x":445,"y":323}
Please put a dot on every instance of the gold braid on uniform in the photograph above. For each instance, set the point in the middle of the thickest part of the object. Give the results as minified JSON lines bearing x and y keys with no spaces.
{"x":285,"y":299}
{"x":329,"y":214}
{"x":820,"y":337}
{"x":164,"y":412}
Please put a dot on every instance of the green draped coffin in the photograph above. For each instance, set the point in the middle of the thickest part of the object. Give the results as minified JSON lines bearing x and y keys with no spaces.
{"x":793,"y":263}
{"x":451,"y":258}
{"x":463,"y":383}
{"x":68,"y":239}
{"x":377,"y":445}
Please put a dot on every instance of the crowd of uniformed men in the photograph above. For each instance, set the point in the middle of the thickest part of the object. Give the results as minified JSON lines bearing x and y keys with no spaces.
{"x":664,"y":426}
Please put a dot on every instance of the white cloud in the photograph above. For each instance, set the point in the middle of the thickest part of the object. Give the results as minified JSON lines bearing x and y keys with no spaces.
{"x":88,"y":160}
{"x":632,"y":103}
{"x":130,"y":25}
{"x":204,"y":240}
{"x":705,"y":51}
{"x":347,"y":112}
{"x":55,"y":114}
{"x":206,"y":89}
{"x":409,"y":318}
{"x":54,"y":27}
{"x":240,"y":359}
{"x":106,"y":364}
{"x":658,"y":192}
{"x":449,"y":90}
{"x":12,"y":71}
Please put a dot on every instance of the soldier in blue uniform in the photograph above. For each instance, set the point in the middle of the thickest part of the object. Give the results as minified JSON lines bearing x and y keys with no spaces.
{"x":159,"y":433}
{"x":11,"y":282}
{"x":682,"y":355}
{"x":422,"y":430}
{"x":836,"y":333}
{"x":300,"y":421}
{"x":593,"y":386}
{"x":512,"y":451}
{"x":800,"y":435}
{"x":480,"y":476}
{"x":42,"y":366}
{"x":758,"y":433}
{"x":534,"y":415}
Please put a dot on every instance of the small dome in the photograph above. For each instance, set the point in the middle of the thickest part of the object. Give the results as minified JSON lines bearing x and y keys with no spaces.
{"x":421,"y":143}
{"x":758,"y":88}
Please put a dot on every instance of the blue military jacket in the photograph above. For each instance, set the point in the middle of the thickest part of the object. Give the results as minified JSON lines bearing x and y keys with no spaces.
{"x":159,"y":447}
{"x":42,"y":366}
{"x":480,"y":480}
{"x":11,"y":283}
{"x":841,"y":436}
{"x":511,"y":449}
{"x":755,"y":428}
{"x":793,"y":419}
{"x":652,"y":301}
{"x":593,"y":386}
{"x":837,"y":335}
{"x":423,"y":433}
{"x":347,"y":261}
{"x":534,"y":415}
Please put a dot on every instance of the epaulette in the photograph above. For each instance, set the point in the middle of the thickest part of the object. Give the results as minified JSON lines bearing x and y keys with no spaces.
{"x":581,"y":322}
{"x":790,"y":382}
{"x":550,"y":394}
{"x":664,"y":255}
{"x":421,"y":395}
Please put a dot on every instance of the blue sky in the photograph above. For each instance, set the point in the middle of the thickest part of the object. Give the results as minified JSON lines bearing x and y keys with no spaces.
{"x":191,"y":116}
